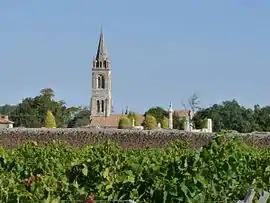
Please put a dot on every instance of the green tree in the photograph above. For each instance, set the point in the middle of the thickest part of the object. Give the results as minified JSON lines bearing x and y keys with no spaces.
{"x":133,"y":115}
{"x":149,"y":122}
{"x":165,"y":123}
{"x":158,"y":112}
{"x":31,"y":112}
{"x":124,"y":123}
{"x":227,"y":116}
{"x":7,"y":109}
{"x":50,"y":120}
{"x":81,"y":118}
{"x":262,"y":118}
{"x":178,"y":122}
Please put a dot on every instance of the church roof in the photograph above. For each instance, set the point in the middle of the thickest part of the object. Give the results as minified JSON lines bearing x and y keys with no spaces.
{"x":181,"y":113}
{"x":102,"y":50}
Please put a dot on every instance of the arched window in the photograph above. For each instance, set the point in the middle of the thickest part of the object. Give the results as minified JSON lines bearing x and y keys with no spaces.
{"x":102,"y":106}
{"x":105,"y":64}
{"x":97,"y":64}
{"x":101,"y":82}
{"x":98,"y":106}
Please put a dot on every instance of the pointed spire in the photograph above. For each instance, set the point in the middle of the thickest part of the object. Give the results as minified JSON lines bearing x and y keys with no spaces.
{"x":102,"y":50}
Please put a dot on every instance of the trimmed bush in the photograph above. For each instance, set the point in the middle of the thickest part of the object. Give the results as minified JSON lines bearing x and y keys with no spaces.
{"x":165,"y":123}
{"x":133,"y":115}
{"x":150,"y":122}
{"x":124,"y":123}
{"x":50,"y":120}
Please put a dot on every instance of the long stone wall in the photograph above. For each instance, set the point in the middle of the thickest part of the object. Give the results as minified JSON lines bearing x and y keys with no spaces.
{"x":80,"y":137}
{"x":15,"y":137}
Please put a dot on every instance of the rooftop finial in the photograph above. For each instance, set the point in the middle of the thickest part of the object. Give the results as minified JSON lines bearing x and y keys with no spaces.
{"x":170,"y":107}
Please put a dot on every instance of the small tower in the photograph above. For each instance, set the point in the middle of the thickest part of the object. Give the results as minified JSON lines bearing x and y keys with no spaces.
{"x":170,"y":116}
{"x":101,"y":100}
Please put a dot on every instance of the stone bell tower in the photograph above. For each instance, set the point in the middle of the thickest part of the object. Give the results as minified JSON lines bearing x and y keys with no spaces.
{"x":101,"y":100}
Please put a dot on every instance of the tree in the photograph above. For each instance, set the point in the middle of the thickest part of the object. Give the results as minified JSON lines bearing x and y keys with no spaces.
{"x":47,"y":92}
{"x":227,"y":116}
{"x":158,"y":112}
{"x":262,"y":118}
{"x":81,"y":118}
{"x":133,"y":115}
{"x":194,"y":103}
{"x":50,"y":120}
{"x":31,"y":112}
{"x":165,"y":123}
{"x":178,"y":122}
{"x":124,"y":123}
{"x":7,"y":109}
{"x":149,"y":122}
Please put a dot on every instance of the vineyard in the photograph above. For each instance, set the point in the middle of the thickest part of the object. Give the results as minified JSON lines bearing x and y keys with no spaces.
{"x":219,"y":172}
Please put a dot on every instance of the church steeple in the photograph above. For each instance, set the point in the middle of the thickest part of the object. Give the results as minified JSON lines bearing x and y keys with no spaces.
{"x":102,"y":50}
{"x":101,"y":101}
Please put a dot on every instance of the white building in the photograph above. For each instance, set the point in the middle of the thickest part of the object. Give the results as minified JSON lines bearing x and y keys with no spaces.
{"x":5,"y":122}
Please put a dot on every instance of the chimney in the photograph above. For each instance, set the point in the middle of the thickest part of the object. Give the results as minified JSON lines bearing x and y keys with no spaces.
{"x":6,"y":117}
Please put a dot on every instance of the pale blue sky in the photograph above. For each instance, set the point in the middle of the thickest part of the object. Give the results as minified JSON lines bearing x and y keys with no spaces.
{"x":161,"y":51}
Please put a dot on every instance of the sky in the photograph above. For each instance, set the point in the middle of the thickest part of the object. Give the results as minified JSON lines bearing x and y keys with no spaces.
{"x":160,"y":51}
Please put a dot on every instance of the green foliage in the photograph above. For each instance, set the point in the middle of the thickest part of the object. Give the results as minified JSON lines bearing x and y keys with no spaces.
{"x":81,"y":118}
{"x":219,"y":172}
{"x":158,"y":112}
{"x":165,"y":123}
{"x":31,"y":112}
{"x":133,"y":115}
{"x":50,"y":120}
{"x":124,"y":123}
{"x":232,"y":116}
{"x":149,"y":122}
{"x":178,"y":122}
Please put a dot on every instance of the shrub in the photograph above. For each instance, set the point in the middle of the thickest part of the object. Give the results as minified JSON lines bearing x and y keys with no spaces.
{"x":150,"y":122}
{"x":50,"y":120}
{"x":165,"y":123}
{"x":124,"y":123}
{"x":133,"y":115}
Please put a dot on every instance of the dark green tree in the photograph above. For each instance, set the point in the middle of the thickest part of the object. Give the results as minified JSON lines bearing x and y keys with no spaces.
{"x":227,"y":116}
{"x":81,"y":118}
{"x":158,"y":112}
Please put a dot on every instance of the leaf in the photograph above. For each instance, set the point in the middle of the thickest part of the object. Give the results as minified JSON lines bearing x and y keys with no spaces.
{"x":106,"y":173}
{"x":85,"y":170}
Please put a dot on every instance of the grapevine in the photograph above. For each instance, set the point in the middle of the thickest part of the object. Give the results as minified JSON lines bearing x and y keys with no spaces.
{"x":219,"y":172}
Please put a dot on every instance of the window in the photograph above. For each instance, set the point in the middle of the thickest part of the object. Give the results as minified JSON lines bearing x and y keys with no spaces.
{"x":97,"y":64}
{"x":102,"y":106}
{"x":98,"y":106}
{"x":105,"y":64}
{"x":101,"y":82}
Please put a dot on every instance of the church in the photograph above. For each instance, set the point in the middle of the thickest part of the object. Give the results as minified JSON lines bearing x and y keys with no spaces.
{"x":101,"y":98}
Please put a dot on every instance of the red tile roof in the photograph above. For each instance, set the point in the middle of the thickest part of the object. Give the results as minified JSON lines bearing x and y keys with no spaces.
{"x":110,"y":121}
{"x":181,"y":113}
{"x":5,"y":121}
{"x":113,"y":120}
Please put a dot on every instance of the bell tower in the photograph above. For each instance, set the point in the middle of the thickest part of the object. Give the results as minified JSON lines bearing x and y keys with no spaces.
{"x":101,"y":100}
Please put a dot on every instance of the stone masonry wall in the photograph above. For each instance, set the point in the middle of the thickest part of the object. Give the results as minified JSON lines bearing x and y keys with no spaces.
{"x":15,"y":137}
{"x":80,"y":137}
